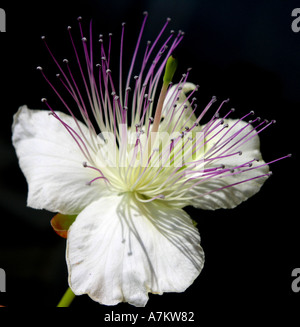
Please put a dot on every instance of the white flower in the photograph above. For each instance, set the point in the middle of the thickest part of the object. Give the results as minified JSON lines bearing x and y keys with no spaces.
{"x":127,"y":186}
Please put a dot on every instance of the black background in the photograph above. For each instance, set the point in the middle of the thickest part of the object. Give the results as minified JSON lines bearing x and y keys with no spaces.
{"x":244,"y":50}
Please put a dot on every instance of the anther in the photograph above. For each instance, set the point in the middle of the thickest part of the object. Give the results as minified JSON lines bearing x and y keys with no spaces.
{"x":108,"y":71}
{"x":84,"y":164}
{"x":44,"y":100}
{"x":43,"y":37}
{"x":79,"y":18}
{"x":232,"y":110}
{"x":57,"y":75}
{"x":66,"y":61}
{"x":69,"y":27}
{"x":161,"y":196}
{"x":172,"y":32}
{"x":136,"y":77}
{"x":84,"y":39}
{"x":39,"y":68}
{"x":110,"y":34}
{"x":128,"y":89}
{"x":98,"y":65}
{"x":168,"y":19}
{"x":125,"y":108}
{"x":123,"y":24}
{"x":145,"y":13}
{"x":251,"y":112}
{"x":240,"y":153}
{"x":151,"y":119}
{"x":225,"y":126}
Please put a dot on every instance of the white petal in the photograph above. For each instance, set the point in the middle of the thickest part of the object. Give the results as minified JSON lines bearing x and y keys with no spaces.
{"x":213,"y":193}
{"x":52,"y":163}
{"x":120,"y":249}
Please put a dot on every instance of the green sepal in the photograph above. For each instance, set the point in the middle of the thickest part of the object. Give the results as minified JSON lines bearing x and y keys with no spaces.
{"x":61,"y":224}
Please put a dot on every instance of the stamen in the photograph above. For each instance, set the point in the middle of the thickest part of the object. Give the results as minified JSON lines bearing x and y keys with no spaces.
{"x":72,"y":132}
{"x":95,"y":179}
{"x":140,"y":171}
{"x":157,"y":197}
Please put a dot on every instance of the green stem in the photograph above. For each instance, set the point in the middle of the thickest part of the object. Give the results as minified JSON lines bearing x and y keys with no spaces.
{"x":67,"y":299}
